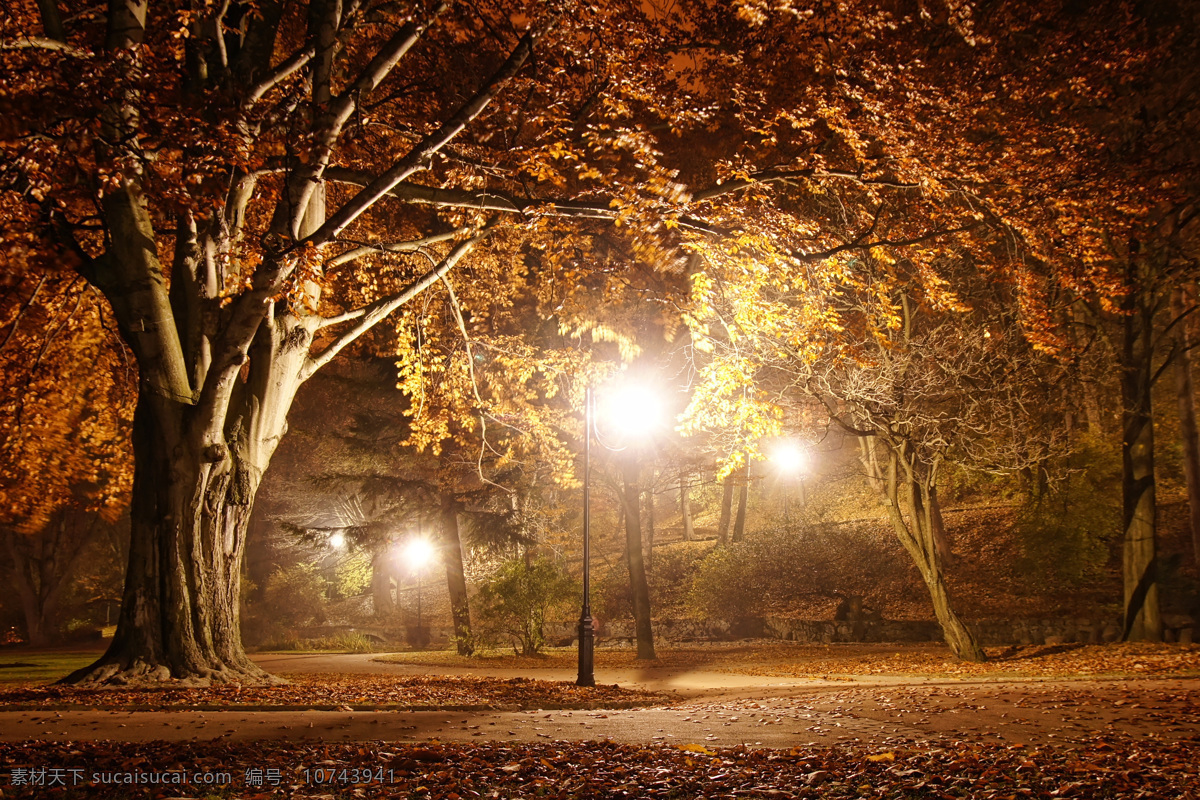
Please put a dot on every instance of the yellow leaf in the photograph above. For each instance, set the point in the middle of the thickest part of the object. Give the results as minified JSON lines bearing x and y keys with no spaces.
{"x":889,"y":756}
{"x":697,"y":748}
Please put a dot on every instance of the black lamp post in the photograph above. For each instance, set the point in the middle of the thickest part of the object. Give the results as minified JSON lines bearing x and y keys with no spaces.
{"x":587,"y":630}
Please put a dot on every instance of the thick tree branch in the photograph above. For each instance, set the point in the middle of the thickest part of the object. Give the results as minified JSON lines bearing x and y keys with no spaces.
{"x":328,"y":127}
{"x":861,"y":242}
{"x":419,"y":156}
{"x":789,"y":176}
{"x":280,"y":74}
{"x":497,"y":201}
{"x":377,"y":311}
{"x":411,"y":246}
{"x":43,"y":43}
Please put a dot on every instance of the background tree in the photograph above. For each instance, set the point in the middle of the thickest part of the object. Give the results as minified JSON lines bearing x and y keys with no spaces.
{"x":66,"y":396}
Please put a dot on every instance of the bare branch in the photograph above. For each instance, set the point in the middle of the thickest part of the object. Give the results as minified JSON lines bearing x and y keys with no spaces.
{"x":377,"y":311}
{"x":789,"y":176}
{"x":419,"y":156}
{"x":43,"y":43}
{"x":24,"y":308}
{"x":497,"y":201}
{"x":861,"y":243}
{"x":280,"y":74}
{"x":328,"y":127}
{"x":411,"y":246}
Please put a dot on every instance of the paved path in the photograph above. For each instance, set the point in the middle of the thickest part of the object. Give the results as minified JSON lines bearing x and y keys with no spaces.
{"x":713,"y":709}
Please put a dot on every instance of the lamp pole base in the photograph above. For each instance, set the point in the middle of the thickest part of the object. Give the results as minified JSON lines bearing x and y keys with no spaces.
{"x":587,"y":648}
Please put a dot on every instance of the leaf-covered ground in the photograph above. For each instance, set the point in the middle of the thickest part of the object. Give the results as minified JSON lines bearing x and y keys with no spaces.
{"x":788,"y":659}
{"x":1115,"y":768}
{"x":327,"y":691}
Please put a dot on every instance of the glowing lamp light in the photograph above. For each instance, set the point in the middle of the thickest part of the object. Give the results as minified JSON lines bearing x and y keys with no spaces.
{"x":418,"y":553}
{"x":632,"y":410}
{"x":789,"y":458}
{"x":337,"y":540}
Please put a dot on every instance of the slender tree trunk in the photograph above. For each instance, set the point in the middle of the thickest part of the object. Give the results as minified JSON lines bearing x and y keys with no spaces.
{"x":1181,"y":302}
{"x":23,"y":578}
{"x":456,"y":580}
{"x":650,"y":523}
{"x":739,"y":523}
{"x":639,"y":588}
{"x":908,"y":483}
{"x":938,"y":527}
{"x":41,"y":563}
{"x":726,"y":510}
{"x":1143,"y":620}
{"x":685,"y":508}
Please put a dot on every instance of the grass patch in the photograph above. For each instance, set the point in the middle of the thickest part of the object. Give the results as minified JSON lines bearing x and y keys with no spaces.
{"x":796,"y":660}
{"x":41,"y":667}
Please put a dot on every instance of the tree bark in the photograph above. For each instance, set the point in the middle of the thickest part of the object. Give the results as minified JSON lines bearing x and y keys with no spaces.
{"x":685,"y":508}
{"x":1143,"y":619}
{"x":726,"y":510}
{"x":938,"y":527}
{"x":1181,"y":303}
{"x":908,"y":484}
{"x":650,"y":522}
{"x":739,"y":523}
{"x":639,"y":587}
{"x":456,"y":580}
{"x":381,"y":584}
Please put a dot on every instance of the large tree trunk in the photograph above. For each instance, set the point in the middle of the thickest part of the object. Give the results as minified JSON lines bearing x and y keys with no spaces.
{"x":179,"y":615}
{"x":192,"y":497}
{"x":1181,"y":302}
{"x":1143,"y":620}
{"x":382,"y":571}
{"x":456,"y":580}
{"x":639,"y":587}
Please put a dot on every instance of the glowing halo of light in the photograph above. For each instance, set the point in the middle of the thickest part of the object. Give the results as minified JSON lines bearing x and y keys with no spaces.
{"x":337,"y":540}
{"x":789,"y":458}
{"x":418,"y":552}
{"x":631,"y":411}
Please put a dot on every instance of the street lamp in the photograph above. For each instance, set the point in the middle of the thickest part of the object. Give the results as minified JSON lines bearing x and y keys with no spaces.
{"x":637,"y":411}
{"x":419,"y":553}
{"x":337,"y":540}
{"x":790,"y":460}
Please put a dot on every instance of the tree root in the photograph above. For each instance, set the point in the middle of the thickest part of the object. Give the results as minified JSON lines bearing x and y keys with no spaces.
{"x":137,"y":673}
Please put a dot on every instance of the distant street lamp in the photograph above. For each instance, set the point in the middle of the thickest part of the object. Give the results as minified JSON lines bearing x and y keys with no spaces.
{"x":637,"y":411}
{"x":419,"y":553}
{"x":791,"y":461}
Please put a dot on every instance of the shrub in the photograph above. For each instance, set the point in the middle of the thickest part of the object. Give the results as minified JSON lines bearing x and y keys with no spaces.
{"x":519,"y":597}
{"x":1066,"y":534}
{"x":341,"y":643}
{"x":780,"y":567}
{"x":294,"y":596}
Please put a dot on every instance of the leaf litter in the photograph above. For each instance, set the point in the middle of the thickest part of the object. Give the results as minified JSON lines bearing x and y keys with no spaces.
{"x":1114,"y":768}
